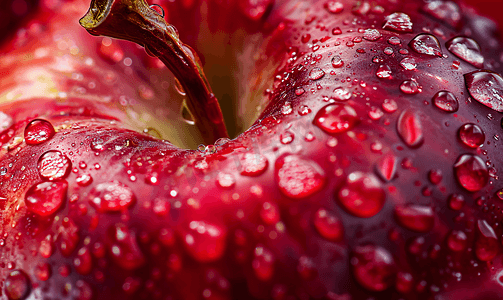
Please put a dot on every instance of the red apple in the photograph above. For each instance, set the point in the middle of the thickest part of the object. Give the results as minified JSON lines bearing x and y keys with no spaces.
{"x":364,"y":161}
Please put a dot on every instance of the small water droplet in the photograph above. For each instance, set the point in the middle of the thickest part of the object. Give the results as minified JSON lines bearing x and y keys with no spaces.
{"x":306,"y":268}
{"x":398,"y":22}
{"x":456,"y":202}
{"x":336,"y":118}
{"x":286,"y":137}
{"x":43,"y":271}
{"x":225,"y":180}
{"x":341,"y":94}
{"x":486,"y":244}
{"x":263,"y":263}
{"x":38,"y":131}
{"x":386,"y":166}
{"x":372,"y":35}
{"x":487,"y":88}
{"x":446,"y":101}
{"x":471,"y":135}
{"x":457,"y":241}
{"x":384,"y":72}
{"x":158,"y":9}
{"x":304,"y":110}
{"x":435,"y":176}
{"x":17,"y":285}
{"x":415,"y":217}
{"x":68,"y":237}
{"x":286,"y":108}
{"x":124,"y":248}
{"x":328,"y":225}
{"x":253,"y":164}
{"x":389,"y":105}
{"x":298,"y":177}
{"x":186,"y":114}
{"x":53,"y":165}
{"x":111,"y":197}
{"x":427,"y":44}
{"x":83,"y":263}
{"x":410,"y":129}
{"x":409,"y":87}
{"x":337,"y":61}
{"x":269,"y":213}
{"x":394,"y":40}
{"x":471,"y":172}
{"x":467,"y":49}
{"x":373,"y":267}
{"x":45,"y":198}
{"x":205,"y":242}
{"x":6,"y":122}
{"x":362,"y":195}
{"x":316,"y":73}
{"x":334,"y":7}
{"x":447,"y":11}
{"x":408,"y":63}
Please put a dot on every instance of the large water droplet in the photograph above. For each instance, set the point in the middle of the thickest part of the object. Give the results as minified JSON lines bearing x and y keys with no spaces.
{"x":336,"y":118}
{"x":111,"y":197}
{"x":486,"y":245}
{"x":328,"y":225}
{"x":205,"y":242}
{"x":447,"y":11}
{"x":466,"y":49}
{"x":399,"y":22}
{"x":124,"y":248}
{"x":471,"y":135}
{"x":446,"y":101}
{"x":253,"y":164}
{"x":298,"y":177}
{"x":487,"y":88}
{"x":316,"y":73}
{"x":38,"y":131}
{"x":410,"y":129}
{"x":17,"y":285}
{"x":373,"y":267}
{"x":361,"y":195}
{"x":372,"y":35}
{"x":45,"y":198}
{"x":415,"y":217}
{"x":427,"y":44}
{"x":408,"y":63}
{"x":53,"y":165}
{"x":471,"y":172}
{"x":384,"y":72}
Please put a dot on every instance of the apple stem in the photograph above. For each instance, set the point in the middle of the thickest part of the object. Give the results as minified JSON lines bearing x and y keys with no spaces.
{"x":135,"y":21}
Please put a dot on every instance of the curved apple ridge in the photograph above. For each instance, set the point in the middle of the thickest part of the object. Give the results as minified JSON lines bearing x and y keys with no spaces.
{"x":348,"y":186}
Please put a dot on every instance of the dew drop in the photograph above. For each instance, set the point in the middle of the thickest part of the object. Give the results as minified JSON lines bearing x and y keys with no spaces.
{"x":486,"y":244}
{"x":341,"y":94}
{"x":111,"y":197}
{"x":158,"y":9}
{"x":487,"y":88}
{"x":372,"y":35}
{"x":334,"y":7}
{"x":337,"y":61}
{"x":269,"y":213}
{"x":316,"y":73}
{"x":373,"y":267}
{"x":404,"y":282}
{"x":457,"y":241}
{"x":306,"y":268}
{"x":336,"y":118}
{"x":394,"y":40}
{"x":38,"y":131}
{"x":225,"y":180}
{"x":456,"y":202}
{"x":447,"y":11}
{"x":375,"y":113}
{"x":409,"y":87}
{"x":298,"y":177}
{"x":69,"y":237}
{"x":53,"y":165}
{"x":328,"y":225}
{"x":446,"y":101}
{"x":17,"y":285}
{"x":386,"y":167}
{"x":43,"y":271}
{"x":408,"y":63}
{"x":384,"y":72}
{"x":124,"y":248}
{"x":286,"y":137}
{"x":83,"y":263}
{"x":361,"y":195}
{"x":415,"y":217}
{"x":205,"y":242}
{"x":471,"y":172}
{"x":44,"y":199}
{"x":466,"y":49}
{"x":398,"y":22}
{"x":304,"y":110}
{"x":435,"y":176}
{"x":410,"y":129}
{"x":253,"y":164}
{"x":389,"y":105}
{"x":427,"y":44}
{"x":263,"y":263}
{"x":471,"y":135}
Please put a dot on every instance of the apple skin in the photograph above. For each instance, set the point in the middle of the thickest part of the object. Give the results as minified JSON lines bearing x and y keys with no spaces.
{"x":239,"y":220}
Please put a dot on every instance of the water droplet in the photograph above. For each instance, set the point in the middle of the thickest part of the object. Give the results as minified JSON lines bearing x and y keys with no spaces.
{"x":68,"y":237}
{"x":372,"y":35}
{"x":334,"y":7}
{"x":362,"y":195}
{"x":486,"y":244}
{"x":306,"y":268}
{"x":410,"y":129}
{"x":83,"y":291}
{"x":304,"y":110}
{"x":456,"y":202}
{"x":447,"y":11}
{"x":269,"y":213}
{"x":427,"y":44}
{"x":253,"y":164}
{"x":375,"y":113}
{"x":404,"y":282}
{"x":5,"y":122}
{"x":254,"y":10}
{"x":373,"y":267}
{"x":17,"y":285}
{"x":386,"y":166}
{"x":205,"y":242}
{"x":394,"y":40}
{"x":53,"y":165}
{"x":305,"y":38}
{"x":446,"y":101}
{"x":466,"y":49}
{"x":388,"y":51}
{"x":398,"y":22}
{"x":286,"y":137}
{"x":186,"y":114}
{"x":435,"y":176}
{"x":45,"y":198}
{"x":158,"y":9}
{"x":83,"y":262}
{"x":341,"y":94}
{"x":38,"y":131}
{"x":389,"y":105}
{"x":124,"y":248}
{"x":225,"y":180}
{"x":415,"y":217}
{"x":384,"y":71}
{"x":263,"y":263}
{"x":43,"y":271}
{"x":286,"y":108}
{"x":299,"y":91}
{"x":298,"y":177}
{"x":316,"y":73}
{"x":337,"y":61}
{"x":471,"y":172}
{"x":111,"y":197}
{"x":336,"y":118}
{"x":409,"y":87}
{"x":84,"y":179}
{"x":457,"y":241}
{"x":408,"y":63}
{"x":46,"y":247}
{"x":487,"y":88}
{"x":328,"y":225}
{"x":471,"y":135}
